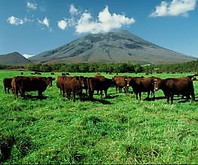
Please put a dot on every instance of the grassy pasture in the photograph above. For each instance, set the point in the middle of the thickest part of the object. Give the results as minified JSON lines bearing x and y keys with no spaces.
{"x":116,"y":130}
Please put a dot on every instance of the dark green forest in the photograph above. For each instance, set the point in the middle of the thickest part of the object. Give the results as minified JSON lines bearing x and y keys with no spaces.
{"x":191,"y":66}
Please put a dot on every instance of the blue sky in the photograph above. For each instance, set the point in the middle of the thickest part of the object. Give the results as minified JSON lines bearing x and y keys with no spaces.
{"x":33,"y":26}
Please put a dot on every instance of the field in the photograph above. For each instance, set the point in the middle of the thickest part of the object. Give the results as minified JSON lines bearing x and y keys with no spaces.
{"x":115,"y":130}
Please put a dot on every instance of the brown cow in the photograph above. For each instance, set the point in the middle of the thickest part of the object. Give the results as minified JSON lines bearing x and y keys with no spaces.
{"x":60,"y":84}
{"x":141,"y":84}
{"x":26,"y":84}
{"x":7,"y":84}
{"x":175,"y":86}
{"x":73,"y":85}
{"x":98,"y":84}
{"x":121,"y":82}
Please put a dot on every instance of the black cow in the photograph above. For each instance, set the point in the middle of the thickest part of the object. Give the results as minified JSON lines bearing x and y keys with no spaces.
{"x":7,"y":84}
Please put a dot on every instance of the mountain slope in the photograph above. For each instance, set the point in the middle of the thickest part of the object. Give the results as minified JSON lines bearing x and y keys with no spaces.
{"x":14,"y":59}
{"x":119,"y":46}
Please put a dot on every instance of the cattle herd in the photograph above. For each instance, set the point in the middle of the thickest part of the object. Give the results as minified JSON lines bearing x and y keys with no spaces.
{"x":70,"y":86}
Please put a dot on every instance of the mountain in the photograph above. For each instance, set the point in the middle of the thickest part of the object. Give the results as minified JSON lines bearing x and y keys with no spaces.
{"x":14,"y":59}
{"x":118,"y":46}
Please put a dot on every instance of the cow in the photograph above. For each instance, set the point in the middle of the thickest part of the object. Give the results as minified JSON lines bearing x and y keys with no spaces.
{"x":26,"y":84}
{"x":99,"y":84}
{"x":7,"y":84}
{"x":60,"y":84}
{"x":38,"y":73}
{"x":120,"y":82}
{"x":142,"y":84}
{"x":175,"y":86}
{"x":73,"y":85}
{"x":65,"y":74}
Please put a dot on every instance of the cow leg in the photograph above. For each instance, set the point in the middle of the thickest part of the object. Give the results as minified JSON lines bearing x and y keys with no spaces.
{"x":8,"y":90}
{"x":5,"y":89}
{"x":105,"y":93}
{"x":172,"y":96}
{"x":74,"y":96}
{"x":148,"y":94}
{"x":100,"y":93}
{"x":22,"y":93}
{"x":167,"y":99}
{"x":68,"y":92}
{"x":193,"y":96}
{"x":39,"y":94}
{"x":15,"y":93}
{"x":153,"y":95}
{"x":140,"y":97}
{"x":120,"y":89}
{"x":136,"y":94}
{"x":91,"y":94}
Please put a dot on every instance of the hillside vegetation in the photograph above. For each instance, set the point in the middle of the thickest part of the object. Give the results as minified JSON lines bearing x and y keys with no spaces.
{"x":115,"y":130}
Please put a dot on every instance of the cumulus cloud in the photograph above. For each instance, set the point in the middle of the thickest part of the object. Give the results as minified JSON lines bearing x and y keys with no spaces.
{"x":32,"y":6}
{"x":73,"y":10}
{"x":174,"y":8}
{"x":45,"y":23}
{"x":105,"y":22}
{"x":69,"y":22}
{"x":15,"y":21}
{"x":62,"y":24}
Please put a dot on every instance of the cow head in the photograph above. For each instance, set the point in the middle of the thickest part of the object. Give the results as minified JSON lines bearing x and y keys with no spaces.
{"x":128,"y":80}
{"x":82,"y":80}
{"x":49,"y":81}
{"x":156,"y":83}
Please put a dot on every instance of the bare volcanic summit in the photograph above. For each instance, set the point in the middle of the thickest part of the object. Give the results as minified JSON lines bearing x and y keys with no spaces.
{"x":118,"y":46}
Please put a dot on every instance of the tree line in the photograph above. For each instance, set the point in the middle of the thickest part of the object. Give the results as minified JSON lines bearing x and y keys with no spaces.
{"x":191,"y":66}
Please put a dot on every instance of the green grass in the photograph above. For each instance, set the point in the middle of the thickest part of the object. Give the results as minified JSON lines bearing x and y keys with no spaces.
{"x":116,"y":130}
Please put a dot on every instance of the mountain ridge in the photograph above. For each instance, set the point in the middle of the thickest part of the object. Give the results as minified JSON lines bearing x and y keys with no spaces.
{"x":117,"y":46}
{"x":13,"y":58}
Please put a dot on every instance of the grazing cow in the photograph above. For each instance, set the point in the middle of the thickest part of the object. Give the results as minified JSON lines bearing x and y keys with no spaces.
{"x":175,"y":86}
{"x":121,"y":82}
{"x":26,"y":84}
{"x":7,"y":84}
{"x":38,"y":73}
{"x":65,"y":74}
{"x":73,"y":85}
{"x":141,"y":84}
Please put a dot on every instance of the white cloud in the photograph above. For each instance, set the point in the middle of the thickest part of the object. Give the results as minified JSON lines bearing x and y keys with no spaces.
{"x":62,"y":24}
{"x":174,"y":8}
{"x":31,"y":5}
{"x":28,"y":55}
{"x":105,"y":22}
{"x":15,"y":21}
{"x":45,"y":22}
{"x":73,"y":10}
